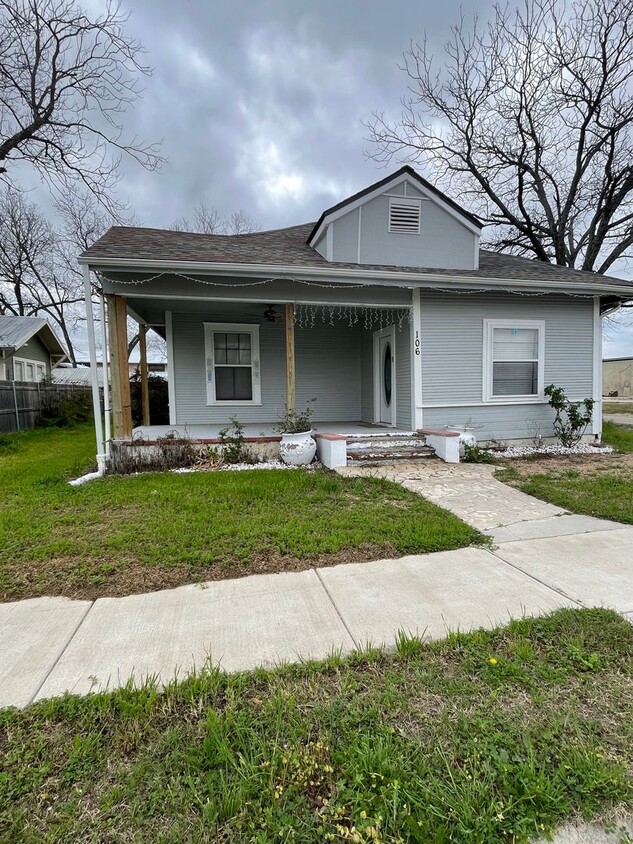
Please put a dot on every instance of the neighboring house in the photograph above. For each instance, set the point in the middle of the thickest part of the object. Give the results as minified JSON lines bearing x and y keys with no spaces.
{"x":29,"y":349}
{"x":617,"y":377}
{"x":385,"y":310}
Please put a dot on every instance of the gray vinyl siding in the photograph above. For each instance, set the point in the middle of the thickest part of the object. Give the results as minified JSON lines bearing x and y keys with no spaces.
{"x":328,"y":367}
{"x":452,"y":359}
{"x":499,"y":422}
{"x":346,"y":238}
{"x":443,"y":241}
{"x":403,"y":376}
{"x":327,"y":361}
{"x":33,"y":350}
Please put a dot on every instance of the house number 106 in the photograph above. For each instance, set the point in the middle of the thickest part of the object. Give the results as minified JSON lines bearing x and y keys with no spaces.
{"x":417,"y":343}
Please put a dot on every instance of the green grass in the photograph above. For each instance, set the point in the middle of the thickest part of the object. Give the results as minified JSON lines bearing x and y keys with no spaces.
{"x":481,"y":738}
{"x":605,"y":492}
{"x":120,"y":535}
{"x":619,"y":437}
{"x":617,"y":407}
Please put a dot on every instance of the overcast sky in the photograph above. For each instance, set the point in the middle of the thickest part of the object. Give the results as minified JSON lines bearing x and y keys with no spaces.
{"x":259,"y":103}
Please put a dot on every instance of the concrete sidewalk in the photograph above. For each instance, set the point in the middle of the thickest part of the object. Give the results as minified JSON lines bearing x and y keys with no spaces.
{"x":542,"y":561}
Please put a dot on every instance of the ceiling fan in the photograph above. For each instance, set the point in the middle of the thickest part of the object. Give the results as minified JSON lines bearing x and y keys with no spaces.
{"x":271,"y":315}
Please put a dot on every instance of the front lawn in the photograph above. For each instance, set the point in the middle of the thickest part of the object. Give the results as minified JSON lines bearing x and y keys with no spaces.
{"x":483,"y":738}
{"x":121,"y":535}
{"x":600,"y":486}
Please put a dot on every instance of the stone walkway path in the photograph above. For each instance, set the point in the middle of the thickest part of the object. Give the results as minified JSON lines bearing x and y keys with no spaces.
{"x":469,"y":490}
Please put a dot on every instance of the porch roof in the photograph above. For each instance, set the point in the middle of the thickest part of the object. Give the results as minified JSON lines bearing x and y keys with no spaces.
{"x":280,"y":250}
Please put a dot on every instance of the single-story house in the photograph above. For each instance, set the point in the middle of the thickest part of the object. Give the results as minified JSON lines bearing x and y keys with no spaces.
{"x":617,"y":377}
{"x":385,"y":310}
{"x":29,"y":349}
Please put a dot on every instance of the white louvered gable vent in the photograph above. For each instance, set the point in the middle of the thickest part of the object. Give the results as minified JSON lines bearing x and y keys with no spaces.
{"x":404,"y":216}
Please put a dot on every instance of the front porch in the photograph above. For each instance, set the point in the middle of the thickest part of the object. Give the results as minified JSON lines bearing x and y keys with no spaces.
{"x":338,"y":443}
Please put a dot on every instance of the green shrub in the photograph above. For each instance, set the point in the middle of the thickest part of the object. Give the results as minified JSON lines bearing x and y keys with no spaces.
{"x":571,"y":422}
{"x":234,"y":448}
{"x":474,"y":454}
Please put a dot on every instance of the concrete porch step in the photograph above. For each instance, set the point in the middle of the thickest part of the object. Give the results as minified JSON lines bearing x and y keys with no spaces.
{"x":387,"y":449}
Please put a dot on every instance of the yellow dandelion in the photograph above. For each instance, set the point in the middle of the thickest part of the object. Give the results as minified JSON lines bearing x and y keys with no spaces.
{"x":492,"y":660}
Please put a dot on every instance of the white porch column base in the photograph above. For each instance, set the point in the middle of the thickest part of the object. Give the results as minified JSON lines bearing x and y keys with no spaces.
{"x":445,"y":443}
{"x":332,"y":450}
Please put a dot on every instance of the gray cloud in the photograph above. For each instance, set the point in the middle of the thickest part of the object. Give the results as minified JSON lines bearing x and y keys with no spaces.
{"x":260,"y":104}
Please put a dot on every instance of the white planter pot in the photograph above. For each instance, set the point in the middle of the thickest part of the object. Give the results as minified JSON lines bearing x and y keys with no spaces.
{"x":297,"y":449}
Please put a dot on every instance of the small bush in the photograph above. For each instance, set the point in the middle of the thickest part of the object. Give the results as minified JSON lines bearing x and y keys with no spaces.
{"x":234,"y":449}
{"x":571,"y":422}
{"x":474,"y":454}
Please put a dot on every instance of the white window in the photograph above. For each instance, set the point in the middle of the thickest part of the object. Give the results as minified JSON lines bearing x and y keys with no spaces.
{"x":404,"y":216}
{"x":3,"y":371}
{"x":513,"y":360}
{"x":28,"y":370}
{"x":232,"y":363}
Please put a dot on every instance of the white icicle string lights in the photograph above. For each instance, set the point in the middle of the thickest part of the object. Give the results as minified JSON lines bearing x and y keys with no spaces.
{"x":307,"y":315}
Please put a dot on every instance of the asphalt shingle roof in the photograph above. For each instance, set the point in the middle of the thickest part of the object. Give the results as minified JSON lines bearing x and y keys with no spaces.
{"x":289,"y":248}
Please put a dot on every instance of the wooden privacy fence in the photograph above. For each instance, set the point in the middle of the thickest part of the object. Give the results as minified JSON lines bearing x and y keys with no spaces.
{"x":22,"y":404}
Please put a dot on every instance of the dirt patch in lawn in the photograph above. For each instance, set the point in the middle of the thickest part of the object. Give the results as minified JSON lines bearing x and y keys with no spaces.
{"x":74,"y":579}
{"x":577,"y":463}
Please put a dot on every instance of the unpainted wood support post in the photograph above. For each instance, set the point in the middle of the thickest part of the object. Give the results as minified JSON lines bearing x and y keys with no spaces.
{"x":290,"y":358}
{"x":142,"y":342}
{"x":119,"y":367}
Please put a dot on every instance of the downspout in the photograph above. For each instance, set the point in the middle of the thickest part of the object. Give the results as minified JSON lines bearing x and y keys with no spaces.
{"x":106,"y":375}
{"x":94,"y":373}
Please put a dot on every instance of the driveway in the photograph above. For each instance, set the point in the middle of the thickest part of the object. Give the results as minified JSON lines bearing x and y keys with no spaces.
{"x":543,"y":559}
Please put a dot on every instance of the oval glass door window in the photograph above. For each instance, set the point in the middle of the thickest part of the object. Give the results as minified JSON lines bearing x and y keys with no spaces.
{"x":387,"y":374}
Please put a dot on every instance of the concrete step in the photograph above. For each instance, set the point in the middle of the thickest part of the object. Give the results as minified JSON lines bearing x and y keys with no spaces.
{"x":378,"y":454}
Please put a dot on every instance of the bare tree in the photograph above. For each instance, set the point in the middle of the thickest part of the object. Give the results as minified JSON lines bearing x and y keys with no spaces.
{"x":66,"y":80}
{"x":207,"y":220}
{"x":33,"y":280}
{"x":530,"y":118}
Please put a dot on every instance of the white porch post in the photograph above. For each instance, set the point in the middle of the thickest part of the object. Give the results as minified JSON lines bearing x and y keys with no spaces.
{"x":596,"y":421}
{"x":94,"y":373}
{"x":105,"y":374}
{"x":416,"y":369}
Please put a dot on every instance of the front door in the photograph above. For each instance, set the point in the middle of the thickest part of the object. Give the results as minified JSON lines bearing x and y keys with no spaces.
{"x":385,"y":376}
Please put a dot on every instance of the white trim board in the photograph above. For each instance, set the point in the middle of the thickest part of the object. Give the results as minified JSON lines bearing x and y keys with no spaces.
{"x":345,"y":275}
{"x":596,"y":420}
{"x":171,"y":369}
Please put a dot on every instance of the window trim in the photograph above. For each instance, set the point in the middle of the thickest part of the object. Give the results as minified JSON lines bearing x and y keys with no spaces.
{"x":210,"y":328}
{"x":405,"y":200}
{"x":488,"y":360}
{"x":29,"y":362}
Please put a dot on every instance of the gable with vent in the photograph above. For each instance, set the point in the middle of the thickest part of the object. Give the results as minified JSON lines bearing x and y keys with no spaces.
{"x":402,"y":222}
